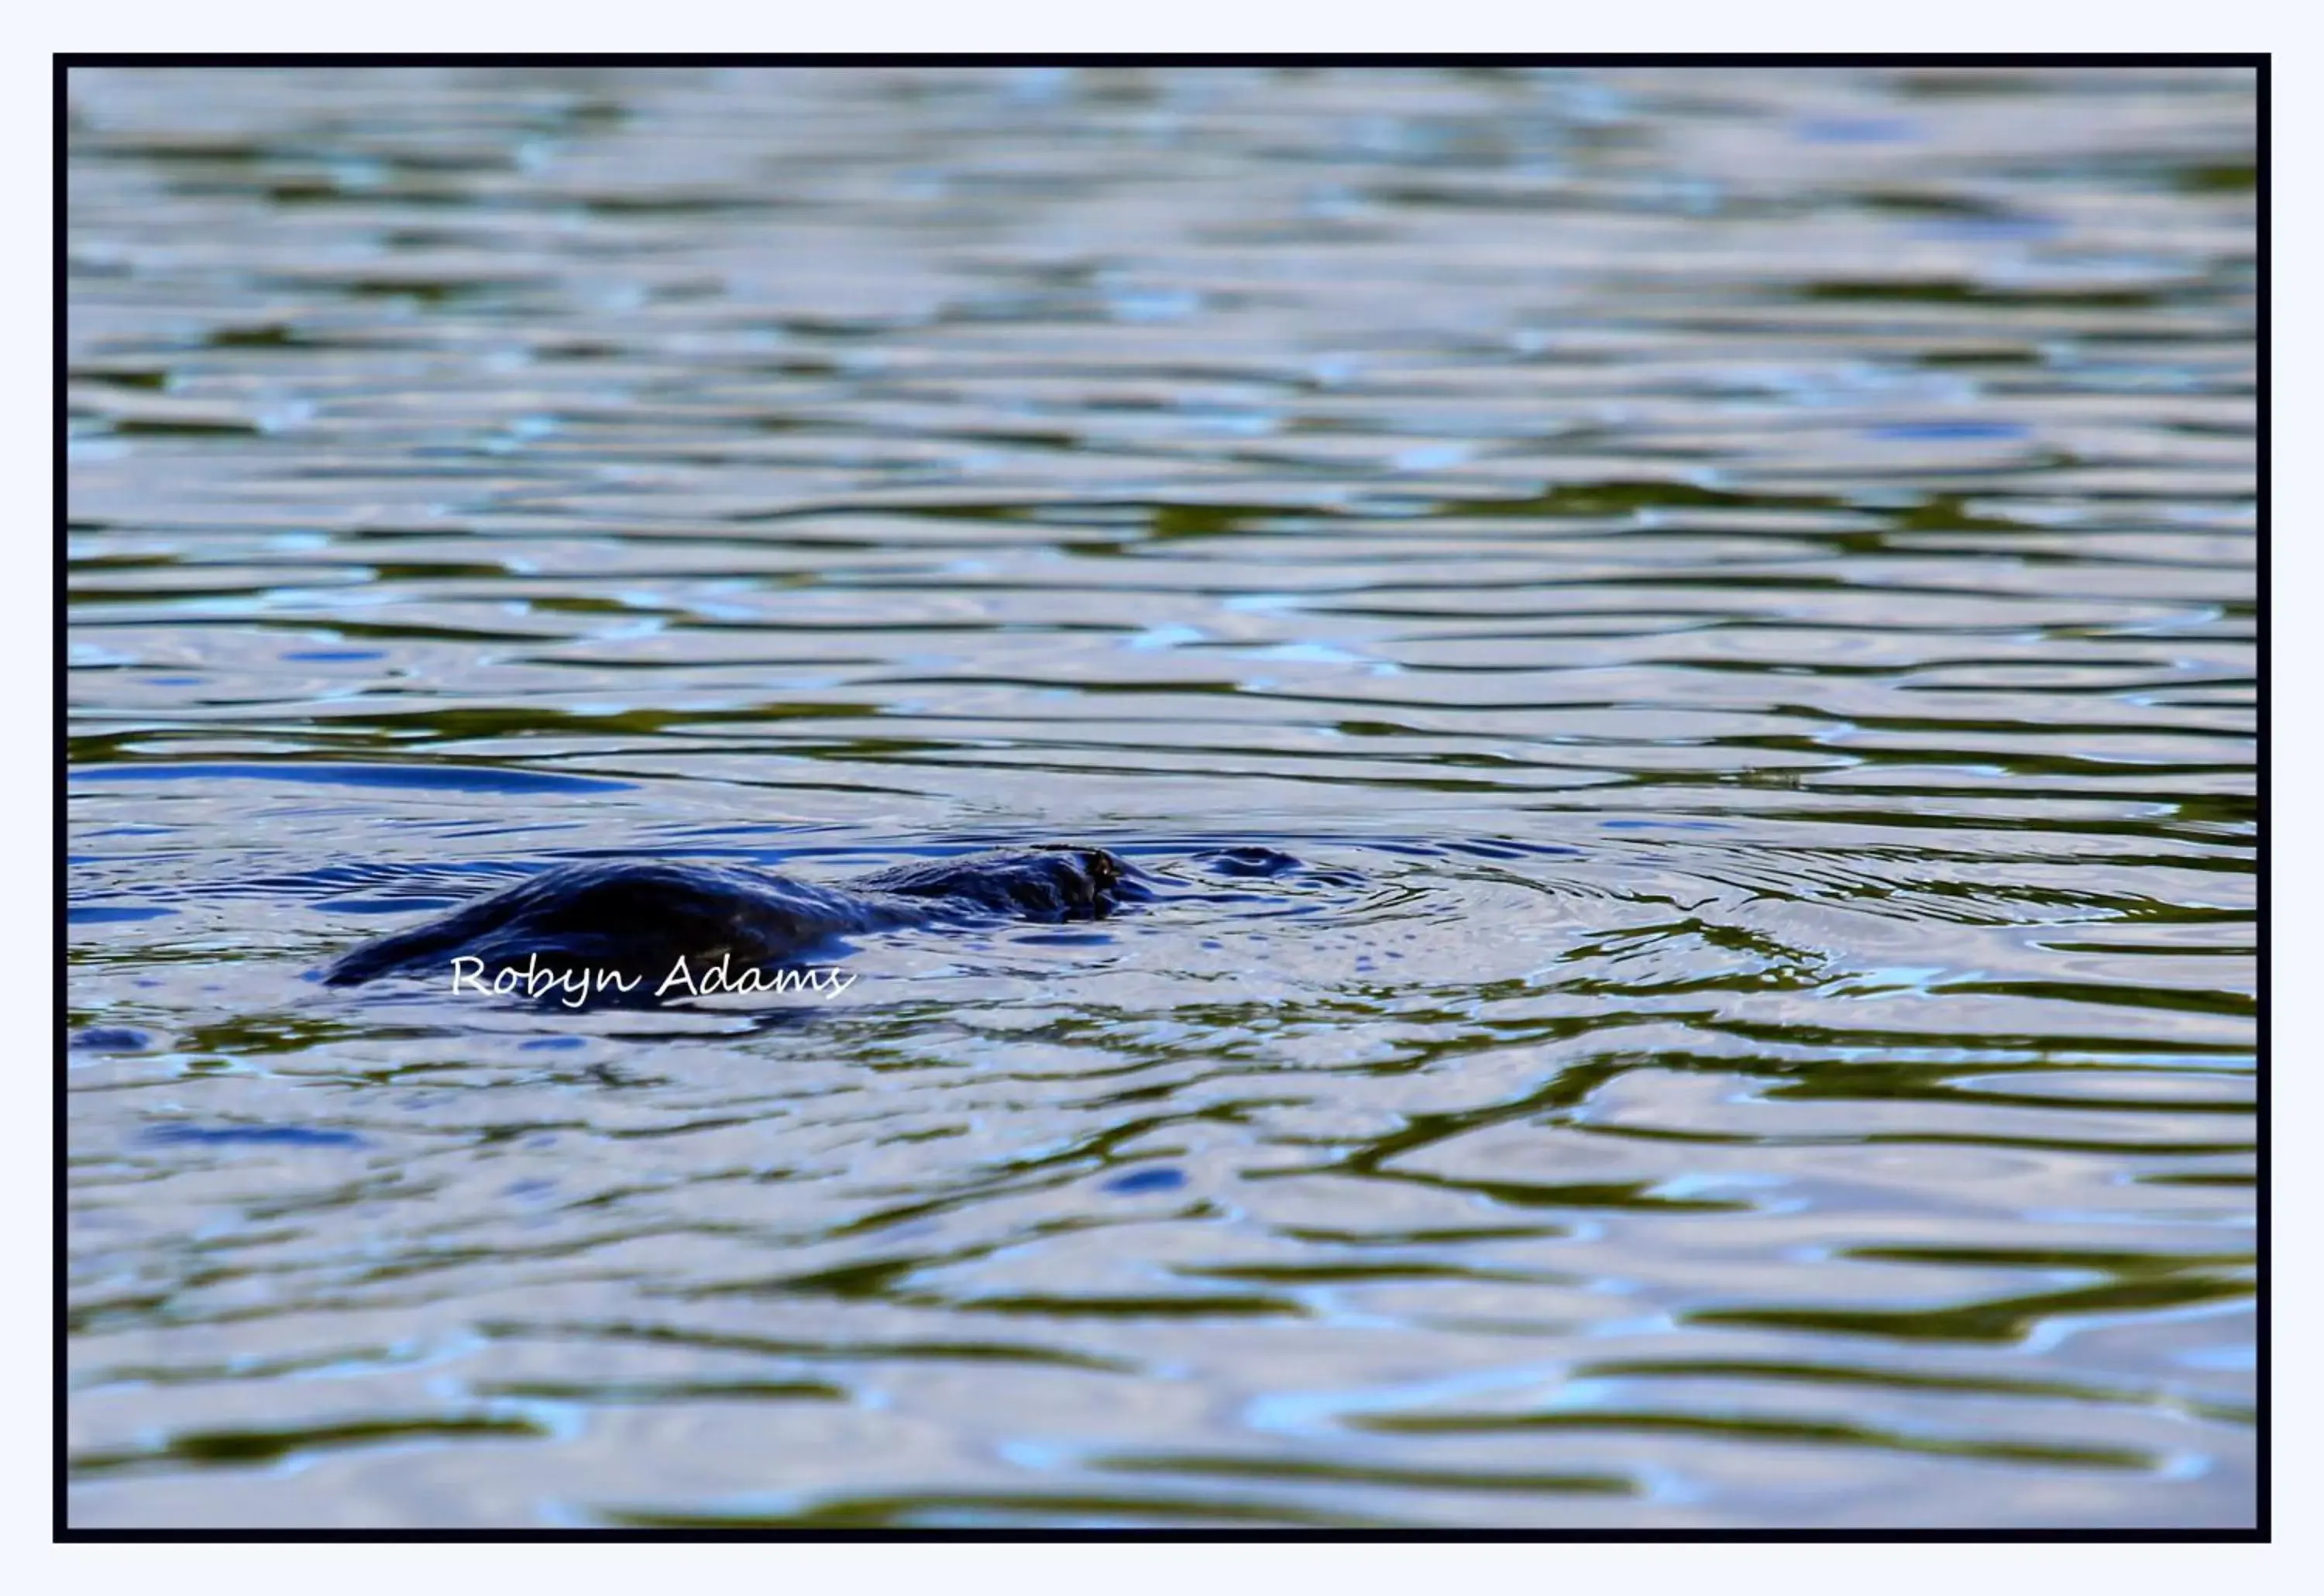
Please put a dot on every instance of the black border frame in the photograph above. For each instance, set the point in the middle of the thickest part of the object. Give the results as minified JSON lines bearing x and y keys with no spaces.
{"x":2261,"y":1530}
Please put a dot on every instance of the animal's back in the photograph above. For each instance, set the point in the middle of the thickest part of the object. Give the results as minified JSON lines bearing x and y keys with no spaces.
{"x":640,"y":917}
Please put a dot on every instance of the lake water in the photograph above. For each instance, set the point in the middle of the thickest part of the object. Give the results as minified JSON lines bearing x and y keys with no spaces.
{"x":1738,"y":585}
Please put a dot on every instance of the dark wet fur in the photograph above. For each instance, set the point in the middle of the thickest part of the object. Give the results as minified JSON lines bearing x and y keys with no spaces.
{"x":640,"y":917}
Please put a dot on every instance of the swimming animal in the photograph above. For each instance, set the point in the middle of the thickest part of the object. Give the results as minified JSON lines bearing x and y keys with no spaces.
{"x":638,"y":918}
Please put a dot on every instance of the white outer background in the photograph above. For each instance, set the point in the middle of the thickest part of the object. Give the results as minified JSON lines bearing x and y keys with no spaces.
{"x":31,"y":616}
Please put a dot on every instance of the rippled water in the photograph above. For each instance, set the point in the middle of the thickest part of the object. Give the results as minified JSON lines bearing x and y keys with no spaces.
{"x":1738,"y":585}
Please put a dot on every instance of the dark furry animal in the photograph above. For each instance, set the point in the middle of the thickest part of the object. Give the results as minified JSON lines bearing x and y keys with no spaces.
{"x":641,"y":918}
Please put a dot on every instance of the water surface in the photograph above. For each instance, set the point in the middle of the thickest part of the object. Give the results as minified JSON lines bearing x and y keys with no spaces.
{"x":1737,"y":587}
